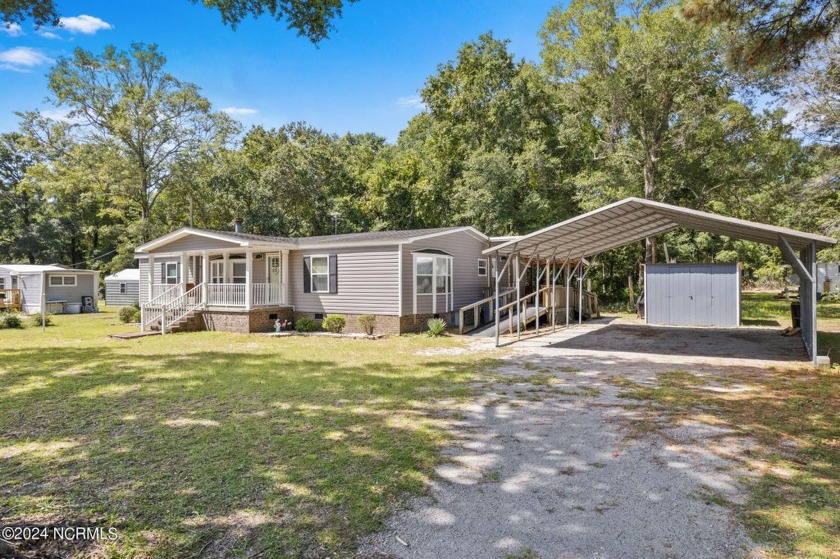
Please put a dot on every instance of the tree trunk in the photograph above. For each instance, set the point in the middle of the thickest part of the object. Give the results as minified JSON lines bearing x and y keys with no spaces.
{"x":650,"y":194}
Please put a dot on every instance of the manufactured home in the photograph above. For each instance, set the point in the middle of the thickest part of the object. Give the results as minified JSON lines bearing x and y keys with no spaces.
{"x":234,"y":281}
{"x":26,"y":287}
{"x":123,"y":288}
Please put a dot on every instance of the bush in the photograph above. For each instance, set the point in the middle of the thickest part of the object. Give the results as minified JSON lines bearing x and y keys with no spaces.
{"x":35,"y":320}
{"x":129,"y":314}
{"x":306,"y":324}
{"x":334,"y":323}
{"x":367,"y":322}
{"x":437,"y":327}
{"x":11,"y":320}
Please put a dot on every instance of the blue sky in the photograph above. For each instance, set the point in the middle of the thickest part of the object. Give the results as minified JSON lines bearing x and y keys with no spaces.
{"x":364,"y":78}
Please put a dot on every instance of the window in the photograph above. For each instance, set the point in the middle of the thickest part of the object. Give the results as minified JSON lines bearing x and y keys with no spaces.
{"x":56,"y":281}
{"x":217,"y":271}
{"x":239,"y":272}
{"x":482,"y":267}
{"x":433,"y":276}
{"x":320,"y":273}
{"x":122,"y":289}
{"x":425,"y":274}
{"x":2,"y":283}
{"x":171,"y":274}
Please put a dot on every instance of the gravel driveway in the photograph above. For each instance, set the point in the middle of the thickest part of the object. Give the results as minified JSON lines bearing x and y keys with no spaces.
{"x":550,"y":463}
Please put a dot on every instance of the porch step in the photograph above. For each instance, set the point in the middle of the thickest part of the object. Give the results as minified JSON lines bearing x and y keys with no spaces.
{"x":173,"y":327}
{"x":133,"y":335}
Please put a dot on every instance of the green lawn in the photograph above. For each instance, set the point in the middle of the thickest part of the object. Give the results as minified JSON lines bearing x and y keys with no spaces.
{"x":763,"y":309}
{"x":215,"y":444}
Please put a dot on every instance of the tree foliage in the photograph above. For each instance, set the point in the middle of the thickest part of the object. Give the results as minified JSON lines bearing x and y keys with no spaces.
{"x":769,"y":33}
{"x":311,"y":18}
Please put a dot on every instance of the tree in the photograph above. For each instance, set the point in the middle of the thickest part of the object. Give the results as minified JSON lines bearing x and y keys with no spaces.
{"x":312,"y":18}
{"x":767,"y":33}
{"x":640,"y":77}
{"x":127,"y":102}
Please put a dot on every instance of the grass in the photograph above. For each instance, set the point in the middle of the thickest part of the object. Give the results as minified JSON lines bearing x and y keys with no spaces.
{"x":214,"y":444}
{"x":794,"y":504}
{"x":763,"y":309}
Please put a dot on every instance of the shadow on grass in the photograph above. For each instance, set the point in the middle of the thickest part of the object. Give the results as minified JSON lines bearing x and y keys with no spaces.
{"x":218,"y":453}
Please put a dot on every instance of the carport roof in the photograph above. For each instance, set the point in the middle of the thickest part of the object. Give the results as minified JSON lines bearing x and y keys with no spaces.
{"x":634,"y":219}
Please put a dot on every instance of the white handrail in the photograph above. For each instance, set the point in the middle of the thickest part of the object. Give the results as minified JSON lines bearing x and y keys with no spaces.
{"x":181,"y":306}
{"x":152,"y":310}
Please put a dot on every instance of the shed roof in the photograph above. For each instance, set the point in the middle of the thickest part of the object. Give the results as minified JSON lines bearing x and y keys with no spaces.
{"x":634,"y":219}
{"x":129,"y":274}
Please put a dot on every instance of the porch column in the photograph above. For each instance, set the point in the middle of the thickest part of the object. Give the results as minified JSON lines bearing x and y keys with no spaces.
{"x":249,"y":277}
{"x":225,"y":272}
{"x":205,"y":275}
{"x":184,"y":272}
{"x":284,"y":276}
{"x":151,"y":277}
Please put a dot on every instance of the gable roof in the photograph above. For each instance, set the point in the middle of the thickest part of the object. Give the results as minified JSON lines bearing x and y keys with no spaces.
{"x":371,"y":238}
{"x":634,"y":219}
{"x":129,"y":274}
{"x":38,"y":268}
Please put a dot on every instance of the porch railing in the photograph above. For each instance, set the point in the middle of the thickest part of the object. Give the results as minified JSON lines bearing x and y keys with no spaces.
{"x":264,"y":294}
{"x":226,"y":294}
{"x":165,"y":292}
{"x":152,"y":312}
{"x":179,"y":307}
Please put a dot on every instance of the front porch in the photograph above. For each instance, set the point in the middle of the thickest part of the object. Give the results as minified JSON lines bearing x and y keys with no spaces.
{"x":180,"y":285}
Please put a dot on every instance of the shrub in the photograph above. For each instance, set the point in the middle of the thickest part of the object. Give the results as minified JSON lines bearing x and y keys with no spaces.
{"x":334,"y":323}
{"x":368,"y":323}
{"x":129,"y":314}
{"x":35,"y":320}
{"x":437,"y":327}
{"x":306,"y":324}
{"x":11,"y":320}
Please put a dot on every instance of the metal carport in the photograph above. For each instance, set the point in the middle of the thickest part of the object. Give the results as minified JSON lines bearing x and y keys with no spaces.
{"x":633,"y":219}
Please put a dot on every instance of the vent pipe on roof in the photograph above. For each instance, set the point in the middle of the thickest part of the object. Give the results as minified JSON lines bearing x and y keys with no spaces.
{"x":237,"y":225}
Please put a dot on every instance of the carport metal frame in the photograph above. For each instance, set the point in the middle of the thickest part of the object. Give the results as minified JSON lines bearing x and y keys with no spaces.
{"x":634,"y":219}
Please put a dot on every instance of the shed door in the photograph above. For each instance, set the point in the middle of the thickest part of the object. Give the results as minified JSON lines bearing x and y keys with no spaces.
{"x":700,"y":293}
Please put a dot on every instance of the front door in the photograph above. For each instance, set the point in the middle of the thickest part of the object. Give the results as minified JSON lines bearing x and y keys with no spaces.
{"x":274,"y":279}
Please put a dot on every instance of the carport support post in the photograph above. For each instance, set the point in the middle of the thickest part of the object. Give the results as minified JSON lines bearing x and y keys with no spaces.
{"x":518,"y":295}
{"x":537,"y":298}
{"x":812,"y":264}
{"x":497,"y":273}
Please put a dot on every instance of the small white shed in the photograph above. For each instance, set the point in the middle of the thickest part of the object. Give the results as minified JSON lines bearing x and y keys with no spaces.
{"x":123,"y":288}
{"x":693,"y":294}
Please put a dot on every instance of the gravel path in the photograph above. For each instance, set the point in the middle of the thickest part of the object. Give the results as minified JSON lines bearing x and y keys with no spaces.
{"x":545,"y":467}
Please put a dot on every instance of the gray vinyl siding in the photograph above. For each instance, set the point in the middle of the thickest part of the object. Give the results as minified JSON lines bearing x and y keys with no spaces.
{"x":368,"y":282}
{"x":72,"y":293}
{"x":113,"y":297}
{"x":467,"y":286}
{"x":144,"y":273}
{"x":195,"y":242}
{"x":693,"y":294}
{"x":30,"y":292}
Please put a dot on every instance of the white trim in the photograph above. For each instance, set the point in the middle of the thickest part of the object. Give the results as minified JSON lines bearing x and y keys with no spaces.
{"x":185,"y":232}
{"x":63,"y":277}
{"x":449,"y":294}
{"x":312,"y":274}
{"x":400,"y":279}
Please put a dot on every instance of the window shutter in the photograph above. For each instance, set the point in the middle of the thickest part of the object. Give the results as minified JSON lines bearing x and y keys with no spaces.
{"x":307,"y":278}
{"x":333,"y":273}
{"x":163,"y":272}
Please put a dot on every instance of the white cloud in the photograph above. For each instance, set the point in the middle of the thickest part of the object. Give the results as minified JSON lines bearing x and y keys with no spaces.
{"x":411,"y":102}
{"x":20,"y":59}
{"x":84,"y":24}
{"x":57,"y":114}
{"x":47,"y":34}
{"x":11,"y":29}
{"x":239,"y":111}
